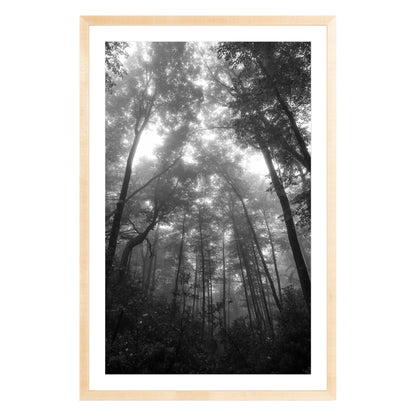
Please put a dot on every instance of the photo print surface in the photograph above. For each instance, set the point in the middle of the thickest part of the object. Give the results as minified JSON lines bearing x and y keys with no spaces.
{"x":208,"y":207}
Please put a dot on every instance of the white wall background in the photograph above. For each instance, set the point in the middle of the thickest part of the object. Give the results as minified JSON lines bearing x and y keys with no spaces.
{"x":39,"y":207}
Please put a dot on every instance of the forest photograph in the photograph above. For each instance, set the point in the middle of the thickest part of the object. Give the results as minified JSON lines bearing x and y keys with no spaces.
{"x":207,"y":207}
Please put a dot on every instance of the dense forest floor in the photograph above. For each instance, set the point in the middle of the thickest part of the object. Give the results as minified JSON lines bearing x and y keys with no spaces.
{"x":150,"y":340}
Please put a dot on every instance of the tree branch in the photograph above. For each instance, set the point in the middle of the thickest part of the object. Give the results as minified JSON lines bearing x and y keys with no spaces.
{"x":144,"y":186}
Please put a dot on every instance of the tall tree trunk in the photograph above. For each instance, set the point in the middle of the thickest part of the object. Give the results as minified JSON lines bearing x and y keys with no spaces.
{"x":244,"y":282}
{"x":175,"y":291}
{"x":295,"y":129}
{"x":184,"y":299}
{"x":243,"y":261}
{"x":129,"y":261}
{"x":305,"y":188}
{"x":135,"y":242}
{"x":256,"y":241}
{"x":210,"y":306}
{"x":254,"y":236}
{"x":279,"y":287}
{"x":250,"y":280}
{"x":118,"y":214}
{"x":152,"y":266}
{"x":202,"y":272}
{"x":305,"y":253}
{"x":287,"y":111}
{"x":290,"y":226}
{"x":263,"y":294}
{"x":281,"y":142}
{"x":228,"y":307}
{"x":153,"y":278}
{"x":195,"y":286}
{"x":141,"y":188}
{"x":223,"y":281}
{"x":145,"y":269}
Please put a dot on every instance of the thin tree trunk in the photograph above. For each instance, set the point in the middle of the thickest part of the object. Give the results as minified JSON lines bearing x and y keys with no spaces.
{"x":244,"y":283}
{"x":279,"y":287}
{"x":155,"y":259}
{"x":250,"y":280}
{"x":290,"y":226}
{"x":145,"y":269}
{"x":263,"y":294}
{"x":141,"y":188}
{"x":211,"y":309}
{"x":195,"y":285}
{"x":152,"y":265}
{"x":251,"y":227}
{"x":175,"y":291}
{"x":228,"y":307}
{"x":115,"y":227}
{"x":129,"y":261}
{"x":153,"y":278}
{"x":184,"y":299}
{"x":256,"y":241}
{"x":243,"y":257}
{"x":202,"y":272}
{"x":135,"y":242}
{"x":305,"y":253}
{"x":223,"y":281}
{"x":239,"y":254}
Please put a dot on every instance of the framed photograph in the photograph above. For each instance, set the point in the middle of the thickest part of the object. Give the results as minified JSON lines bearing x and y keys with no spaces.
{"x":206,"y":143}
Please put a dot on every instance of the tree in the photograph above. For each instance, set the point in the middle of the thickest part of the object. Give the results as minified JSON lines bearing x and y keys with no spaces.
{"x":271,"y":81}
{"x":114,"y":52}
{"x":262,"y":85}
{"x":148,"y":91}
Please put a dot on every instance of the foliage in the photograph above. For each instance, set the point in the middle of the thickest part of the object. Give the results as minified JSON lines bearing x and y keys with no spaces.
{"x":114,"y":51}
{"x":151,"y":341}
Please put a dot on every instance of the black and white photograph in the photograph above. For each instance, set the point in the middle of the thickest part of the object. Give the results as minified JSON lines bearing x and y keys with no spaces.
{"x":208,"y":163}
{"x":161,"y":162}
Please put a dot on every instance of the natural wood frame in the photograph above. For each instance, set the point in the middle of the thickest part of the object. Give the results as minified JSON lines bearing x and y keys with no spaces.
{"x":85,"y":392}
